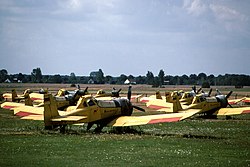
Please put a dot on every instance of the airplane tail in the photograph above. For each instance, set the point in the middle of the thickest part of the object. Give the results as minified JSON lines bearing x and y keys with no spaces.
{"x":168,"y":97}
{"x":50,"y":110}
{"x":176,"y":104}
{"x":28,"y":101}
{"x":14,"y":95}
{"x":158,"y":95}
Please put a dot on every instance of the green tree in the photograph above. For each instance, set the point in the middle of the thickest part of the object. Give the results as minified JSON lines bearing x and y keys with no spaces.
{"x":72,"y":78}
{"x":36,"y":75}
{"x":161,"y":77}
{"x":150,"y":78}
{"x":3,"y":75}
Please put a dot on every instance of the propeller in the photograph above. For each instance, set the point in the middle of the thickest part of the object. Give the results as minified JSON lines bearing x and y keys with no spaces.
{"x":129,"y":99}
{"x":116,"y":93}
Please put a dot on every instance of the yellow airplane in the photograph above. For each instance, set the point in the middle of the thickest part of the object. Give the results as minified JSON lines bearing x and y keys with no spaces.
{"x":14,"y":97}
{"x":63,"y":98}
{"x":186,"y":98}
{"x":116,"y":112}
{"x":210,"y":106}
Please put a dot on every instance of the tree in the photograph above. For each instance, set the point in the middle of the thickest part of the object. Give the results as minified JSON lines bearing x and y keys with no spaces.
{"x":193,"y":79}
{"x":3,"y":75}
{"x":72,"y":78}
{"x":150,"y":78}
{"x":100,"y":77}
{"x":161,"y":77}
{"x":36,"y":75}
{"x":55,"y":79}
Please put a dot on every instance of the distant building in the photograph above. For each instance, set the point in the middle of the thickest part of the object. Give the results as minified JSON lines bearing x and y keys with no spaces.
{"x":7,"y":81}
{"x":128,"y":82}
{"x":91,"y":81}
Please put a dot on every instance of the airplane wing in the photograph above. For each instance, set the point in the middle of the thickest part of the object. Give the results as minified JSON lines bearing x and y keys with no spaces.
{"x":246,"y":100}
{"x":146,"y":99}
{"x":160,"y":105}
{"x":28,"y":110}
{"x":151,"y":119}
{"x":7,"y":96}
{"x":11,"y":105}
{"x":235,"y":101}
{"x":233,"y":111}
{"x":36,"y":97}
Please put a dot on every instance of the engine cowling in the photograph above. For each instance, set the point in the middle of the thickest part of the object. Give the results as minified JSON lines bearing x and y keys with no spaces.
{"x":126,"y":107}
{"x":223,"y":100}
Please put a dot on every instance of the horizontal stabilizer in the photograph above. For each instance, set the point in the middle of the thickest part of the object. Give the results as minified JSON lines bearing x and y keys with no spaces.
{"x":68,"y":118}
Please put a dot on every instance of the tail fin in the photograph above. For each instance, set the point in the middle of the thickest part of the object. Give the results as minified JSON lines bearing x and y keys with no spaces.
{"x":168,"y":97}
{"x":14,"y":95}
{"x":28,"y":101}
{"x":50,"y":110}
{"x":158,"y":95}
{"x":176,"y":104}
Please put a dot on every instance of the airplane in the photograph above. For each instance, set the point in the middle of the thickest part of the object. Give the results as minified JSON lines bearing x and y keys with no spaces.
{"x":63,"y":98}
{"x":186,"y":98}
{"x":14,"y":97}
{"x":210,"y":106}
{"x":116,"y":112}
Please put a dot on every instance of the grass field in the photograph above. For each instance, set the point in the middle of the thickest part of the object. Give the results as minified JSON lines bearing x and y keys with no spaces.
{"x":194,"y":142}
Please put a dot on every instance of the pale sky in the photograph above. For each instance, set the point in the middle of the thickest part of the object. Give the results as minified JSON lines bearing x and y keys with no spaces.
{"x":125,"y":36}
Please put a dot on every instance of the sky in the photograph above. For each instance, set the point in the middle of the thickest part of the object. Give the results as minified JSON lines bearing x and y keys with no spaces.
{"x":128,"y":37}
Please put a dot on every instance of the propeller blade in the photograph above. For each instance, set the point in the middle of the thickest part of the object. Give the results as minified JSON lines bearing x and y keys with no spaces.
{"x":119,"y":90}
{"x":86,"y":90}
{"x":198,"y":91}
{"x":139,"y":108}
{"x":229,"y":94}
{"x":218,"y":92}
{"x":129,"y":93}
{"x":210,"y":91}
{"x":230,"y":105}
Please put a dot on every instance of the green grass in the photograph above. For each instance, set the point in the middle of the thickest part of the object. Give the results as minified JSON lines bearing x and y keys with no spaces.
{"x":193,"y":142}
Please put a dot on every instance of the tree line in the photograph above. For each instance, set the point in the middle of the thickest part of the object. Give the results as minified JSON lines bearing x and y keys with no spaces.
{"x":98,"y":77}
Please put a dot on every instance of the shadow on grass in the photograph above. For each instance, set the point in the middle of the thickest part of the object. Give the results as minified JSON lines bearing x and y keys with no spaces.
{"x":132,"y":131}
